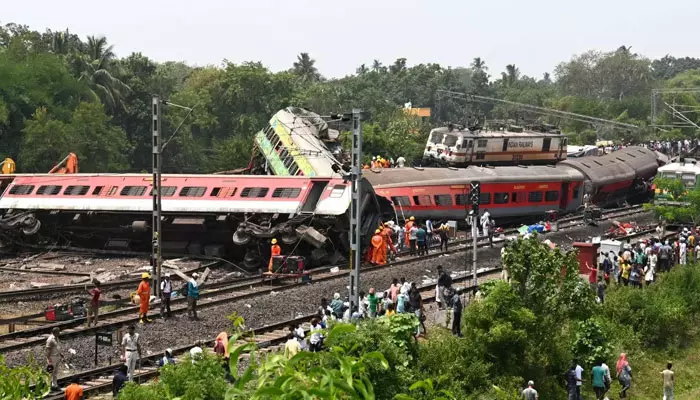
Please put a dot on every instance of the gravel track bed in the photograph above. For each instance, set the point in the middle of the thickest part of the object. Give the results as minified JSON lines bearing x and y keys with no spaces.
{"x":268,"y":309}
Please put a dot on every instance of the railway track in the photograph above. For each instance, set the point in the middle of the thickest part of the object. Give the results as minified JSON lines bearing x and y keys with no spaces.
{"x":222,"y":292}
{"x":266,"y":339}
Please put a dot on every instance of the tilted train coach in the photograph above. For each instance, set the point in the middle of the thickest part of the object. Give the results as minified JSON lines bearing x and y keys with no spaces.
{"x":511,"y":192}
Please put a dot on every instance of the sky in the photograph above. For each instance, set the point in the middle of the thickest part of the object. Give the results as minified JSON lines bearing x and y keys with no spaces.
{"x":535,"y":35}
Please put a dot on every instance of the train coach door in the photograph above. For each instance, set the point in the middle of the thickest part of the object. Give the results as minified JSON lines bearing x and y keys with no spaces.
{"x":313,"y":197}
{"x":564,"y":197}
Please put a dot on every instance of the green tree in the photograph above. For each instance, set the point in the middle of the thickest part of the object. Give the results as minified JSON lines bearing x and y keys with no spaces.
{"x":97,"y":69}
{"x":304,"y":68}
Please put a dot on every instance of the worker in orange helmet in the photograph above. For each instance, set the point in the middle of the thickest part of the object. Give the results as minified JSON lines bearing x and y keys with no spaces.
{"x":387,"y":232}
{"x":144,"y":293}
{"x":378,"y":248}
{"x":409,"y":225}
{"x":275,"y":250}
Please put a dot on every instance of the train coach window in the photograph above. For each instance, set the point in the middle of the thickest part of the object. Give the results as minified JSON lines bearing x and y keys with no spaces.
{"x":22,"y":189}
{"x":575,"y":194}
{"x":258,"y":192}
{"x":470,"y":144}
{"x":422,"y":200}
{"x":551,"y":195}
{"x":97,"y":190}
{"x":223,"y":192}
{"x":165,"y":191}
{"x":76,"y":190}
{"x":514,"y":197}
{"x":287,"y":193}
{"x":481,"y":143}
{"x":193,"y":191}
{"x":461,"y":199}
{"x":485,"y":198}
{"x":132,"y":191}
{"x":534,"y":197}
{"x":443,"y":199}
{"x":500,"y":198}
{"x":112,"y":190}
{"x":338,"y":190}
{"x":401,"y":201}
{"x":49,"y":190}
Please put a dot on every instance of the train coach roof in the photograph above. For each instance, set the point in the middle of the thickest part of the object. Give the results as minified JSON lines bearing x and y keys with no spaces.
{"x":394,"y":177}
{"x":496,"y":134}
{"x":618,"y":166}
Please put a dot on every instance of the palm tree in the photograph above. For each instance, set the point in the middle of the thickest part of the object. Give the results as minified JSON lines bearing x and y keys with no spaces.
{"x":98,"y":71}
{"x":398,"y":66}
{"x":377,"y":65}
{"x":479,"y":64}
{"x":362,"y":69}
{"x":305,"y":69}
{"x":511,"y":75}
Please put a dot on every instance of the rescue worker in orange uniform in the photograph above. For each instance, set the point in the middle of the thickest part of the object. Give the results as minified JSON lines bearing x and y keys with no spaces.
{"x":144,"y":293}
{"x":409,"y":225}
{"x":275,"y":250}
{"x":387,"y":232}
{"x":378,"y":248}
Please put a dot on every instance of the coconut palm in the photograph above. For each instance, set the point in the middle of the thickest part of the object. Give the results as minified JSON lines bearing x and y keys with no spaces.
{"x":479,"y":64}
{"x":305,"y":69}
{"x":377,"y":66}
{"x":511,"y":75}
{"x":98,"y":70}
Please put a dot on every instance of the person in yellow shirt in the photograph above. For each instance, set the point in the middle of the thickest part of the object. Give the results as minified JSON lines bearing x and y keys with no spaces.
{"x":626,"y":269}
{"x":292,"y":347}
{"x":390,"y":310}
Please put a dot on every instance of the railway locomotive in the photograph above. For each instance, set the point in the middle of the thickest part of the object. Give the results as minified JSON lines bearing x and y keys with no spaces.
{"x":499,"y":144}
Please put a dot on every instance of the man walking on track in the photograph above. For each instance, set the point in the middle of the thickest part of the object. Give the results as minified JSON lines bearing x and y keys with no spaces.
{"x":192,"y":296}
{"x":131,"y":349}
{"x":94,"y":307}
{"x":166,"y":289}
{"x":144,"y":293}
{"x":53,"y":353}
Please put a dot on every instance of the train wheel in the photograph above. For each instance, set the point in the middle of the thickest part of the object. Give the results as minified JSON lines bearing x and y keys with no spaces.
{"x":252,"y":260}
{"x":31,"y":225}
{"x":289,"y":239}
{"x":241,"y":238}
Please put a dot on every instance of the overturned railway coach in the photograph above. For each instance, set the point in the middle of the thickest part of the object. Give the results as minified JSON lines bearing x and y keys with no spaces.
{"x":227,"y":215}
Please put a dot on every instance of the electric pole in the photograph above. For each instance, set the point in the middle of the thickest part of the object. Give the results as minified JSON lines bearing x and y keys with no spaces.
{"x":156,"y":192}
{"x":475,"y":194}
{"x":355,"y":209}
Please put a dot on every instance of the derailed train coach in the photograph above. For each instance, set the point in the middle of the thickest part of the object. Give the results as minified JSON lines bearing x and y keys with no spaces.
{"x":232,"y":216}
{"x":624,"y":176}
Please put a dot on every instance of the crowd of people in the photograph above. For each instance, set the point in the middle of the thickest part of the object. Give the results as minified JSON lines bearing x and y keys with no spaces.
{"x":673,"y":148}
{"x":638,"y":265}
{"x":381,"y":162}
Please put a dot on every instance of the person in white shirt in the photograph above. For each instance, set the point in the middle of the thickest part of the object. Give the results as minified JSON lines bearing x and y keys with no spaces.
{"x":650,"y":270}
{"x":485,"y":222}
{"x":316,"y":340}
{"x":166,"y":289}
{"x":683,"y":252}
{"x":579,"y":380}
{"x":131,"y":350}
{"x":400,"y":162}
{"x":196,"y":351}
{"x":53,"y":353}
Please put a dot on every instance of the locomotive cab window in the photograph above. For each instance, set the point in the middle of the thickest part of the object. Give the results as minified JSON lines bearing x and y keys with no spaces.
{"x":422,"y":200}
{"x":338,"y":190}
{"x":257,"y":192}
{"x":165,"y":191}
{"x":470,"y":143}
{"x":22,"y":189}
{"x":133,"y":191}
{"x":534,"y":197}
{"x":193,"y":191}
{"x":401,"y":201}
{"x":443,"y":200}
{"x":481,"y":143}
{"x":551,"y":195}
{"x":500,"y":198}
{"x":49,"y":190}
